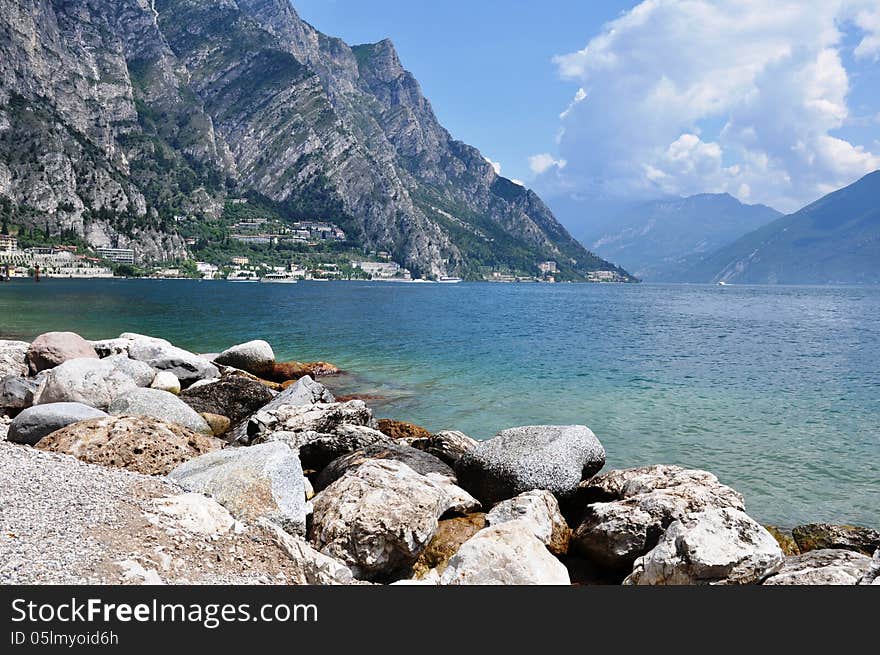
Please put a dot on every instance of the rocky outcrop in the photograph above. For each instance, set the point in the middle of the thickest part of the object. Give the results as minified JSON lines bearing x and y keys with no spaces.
{"x":715,"y":546}
{"x":637,"y":505}
{"x":159,"y":404}
{"x":817,"y":536}
{"x":304,"y":392}
{"x":506,"y":554}
{"x":872,"y":577}
{"x":53,"y":348}
{"x":259,"y":482}
{"x":822,"y":567}
{"x":539,"y":510}
{"x":555,"y":458}
{"x":141,"y":444}
{"x":34,"y":423}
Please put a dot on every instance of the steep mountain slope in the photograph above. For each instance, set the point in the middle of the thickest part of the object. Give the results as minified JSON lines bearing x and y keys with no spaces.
{"x":656,"y":240}
{"x":835,"y":240}
{"x":116,"y":117}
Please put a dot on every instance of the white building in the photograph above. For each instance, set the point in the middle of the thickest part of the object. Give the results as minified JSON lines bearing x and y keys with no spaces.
{"x":378,"y":269}
{"x":8,"y":243}
{"x":118,"y":255}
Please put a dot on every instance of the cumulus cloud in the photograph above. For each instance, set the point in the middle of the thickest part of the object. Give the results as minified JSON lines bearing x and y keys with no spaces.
{"x":496,"y":165}
{"x":689,"y":96}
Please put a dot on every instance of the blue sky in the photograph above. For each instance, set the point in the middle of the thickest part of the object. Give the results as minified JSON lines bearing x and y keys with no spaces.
{"x":774,"y":101}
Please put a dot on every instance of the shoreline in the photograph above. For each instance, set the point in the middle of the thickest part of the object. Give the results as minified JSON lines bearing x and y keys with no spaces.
{"x":540,"y":491}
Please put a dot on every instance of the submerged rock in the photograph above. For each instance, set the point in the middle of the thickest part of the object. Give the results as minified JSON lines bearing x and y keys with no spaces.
{"x":378,"y":518}
{"x":822,"y":567}
{"x":136,"y":443}
{"x":93,"y":382}
{"x":258,"y":482}
{"x":284,"y":371}
{"x":53,"y":348}
{"x":255,"y":357}
{"x":161,"y":405}
{"x":551,"y":457}
{"x":506,"y":554}
{"x":819,"y":536}
{"x":539,"y":510}
{"x":36,"y":422}
{"x":638,"y":505}
{"x":715,"y":546}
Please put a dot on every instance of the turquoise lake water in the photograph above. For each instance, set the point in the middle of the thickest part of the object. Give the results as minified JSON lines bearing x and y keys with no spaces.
{"x":774,"y":389}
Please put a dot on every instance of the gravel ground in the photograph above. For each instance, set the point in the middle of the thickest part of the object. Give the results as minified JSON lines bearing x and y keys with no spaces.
{"x":66,"y":522}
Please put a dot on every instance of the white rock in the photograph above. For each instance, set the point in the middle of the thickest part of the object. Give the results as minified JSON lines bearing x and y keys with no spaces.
{"x":822,"y":567}
{"x":196,"y":513}
{"x":255,"y":357}
{"x":13,"y":356}
{"x":539,"y":510}
{"x":166,"y":381}
{"x":312,"y":566}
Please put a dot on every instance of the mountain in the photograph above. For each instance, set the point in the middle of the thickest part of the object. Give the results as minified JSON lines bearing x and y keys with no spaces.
{"x":835,"y":240}
{"x":656,"y":240}
{"x":119,"y":117}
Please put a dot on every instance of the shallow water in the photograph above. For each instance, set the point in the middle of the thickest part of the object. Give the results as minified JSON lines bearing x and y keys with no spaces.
{"x":774,"y":389}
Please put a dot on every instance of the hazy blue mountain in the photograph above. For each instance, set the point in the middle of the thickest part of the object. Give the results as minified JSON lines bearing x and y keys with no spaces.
{"x":835,"y":240}
{"x":659,"y":239}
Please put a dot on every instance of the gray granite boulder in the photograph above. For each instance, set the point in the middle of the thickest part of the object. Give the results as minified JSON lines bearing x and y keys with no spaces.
{"x":162,"y":356}
{"x":551,"y":457}
{"x":636,"y":507}
{"x":53,"y":348}
{"x":448,"y":445}
{"x":304,"y":392}
{"x":715,"y":546}
{"x":159,"y":404}
{"x":13,"y":357}
{"x":94,"y":382}
{"x":258,"y":482}
{"x":539,"y":510}
{"x":255,"y":357}
{"x":36,"y":422}
{"x":377,"y":518}
{"x":142,"y":373}
{"x":505,"y":554}
{"x":822,"y":567}
{"x":16,"y":394}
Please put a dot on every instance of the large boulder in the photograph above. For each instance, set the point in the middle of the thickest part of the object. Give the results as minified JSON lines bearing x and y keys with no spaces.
{"x":93,"y":382}
{"x":505,"y":554}
{"x":258,"y":482}
{"x":636,"y":507}
{"x":136,"y":443}
{"x":162,"y":356}
{"x":820,"y":536}
{"x":715,"y":546}
{"x":822,"y":567}
{"x":311,"y":567}
{"x":53,"y":348}
{"x":320,"y":417}
{"x":159,"y":404}
{"x":233,"y":397}
{"x":539,"y":510}
{"x":16,"y":394}
{"x":13,"y":357}
{"x":451,"y":534}
{"x":417,"y":460}
{"x":551,"y":457}
{"x":378,"y":518}
{"x":36,"y":422}
{"x":318,"y":449}
{"x":142,"y":374}
{"x":305,"y":392}
{"x":448,"y":445}
{"x":255,"y":357}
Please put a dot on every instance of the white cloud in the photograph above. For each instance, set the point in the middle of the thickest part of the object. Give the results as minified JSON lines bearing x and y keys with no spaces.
{"x":544,"y":162}
{"x":496,"y":165}
{"x":684,"y":96}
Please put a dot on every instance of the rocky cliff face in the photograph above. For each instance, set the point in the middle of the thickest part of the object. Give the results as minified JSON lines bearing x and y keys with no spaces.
{"x":118,"y":115}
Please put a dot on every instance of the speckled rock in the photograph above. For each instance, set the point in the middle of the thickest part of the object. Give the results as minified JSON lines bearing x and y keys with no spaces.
{"x":13,"y":357}
{"x":784,"y":539}
{"x":539,"y":510}
{"x":506,"y":554}
{"x":36,"y":422}
{"x":53,"y":348}
{"x":93,"y":382}
{"x":448,"y":445}
{"x":320,"y":417}
{"x":551,"y":457}
{"x":166,"y":381}
{"x":196,"y":513}
{"x":639,"y":504}
{"x":822,"y":567}
{"x":255,"y":357}
{"x":161,"y":405}
{"x":142,"y":374}
{"x":136,"y":443}
{"x":259,"y":482}
{"x":417,"y":460}
{"x":818,"y":536}
{"x":233,"y":396}
{"x":715,"y":546}
{"x":377,"y":518}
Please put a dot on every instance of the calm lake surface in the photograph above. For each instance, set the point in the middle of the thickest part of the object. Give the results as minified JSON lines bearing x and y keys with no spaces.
{"x":774,"y":389}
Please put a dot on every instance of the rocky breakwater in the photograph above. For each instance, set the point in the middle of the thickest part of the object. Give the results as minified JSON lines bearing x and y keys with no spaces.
{"x":194,"y":468}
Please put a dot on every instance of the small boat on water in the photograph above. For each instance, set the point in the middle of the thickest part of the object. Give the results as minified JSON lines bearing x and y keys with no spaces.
{"x":722,"y":283}
{"x":278,"y":278}
{"x":447,"y":279}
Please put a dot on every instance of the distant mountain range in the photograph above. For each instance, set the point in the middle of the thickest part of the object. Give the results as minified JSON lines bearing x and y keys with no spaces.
{"x":835,"y":240}
{"x":657,"y":240}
